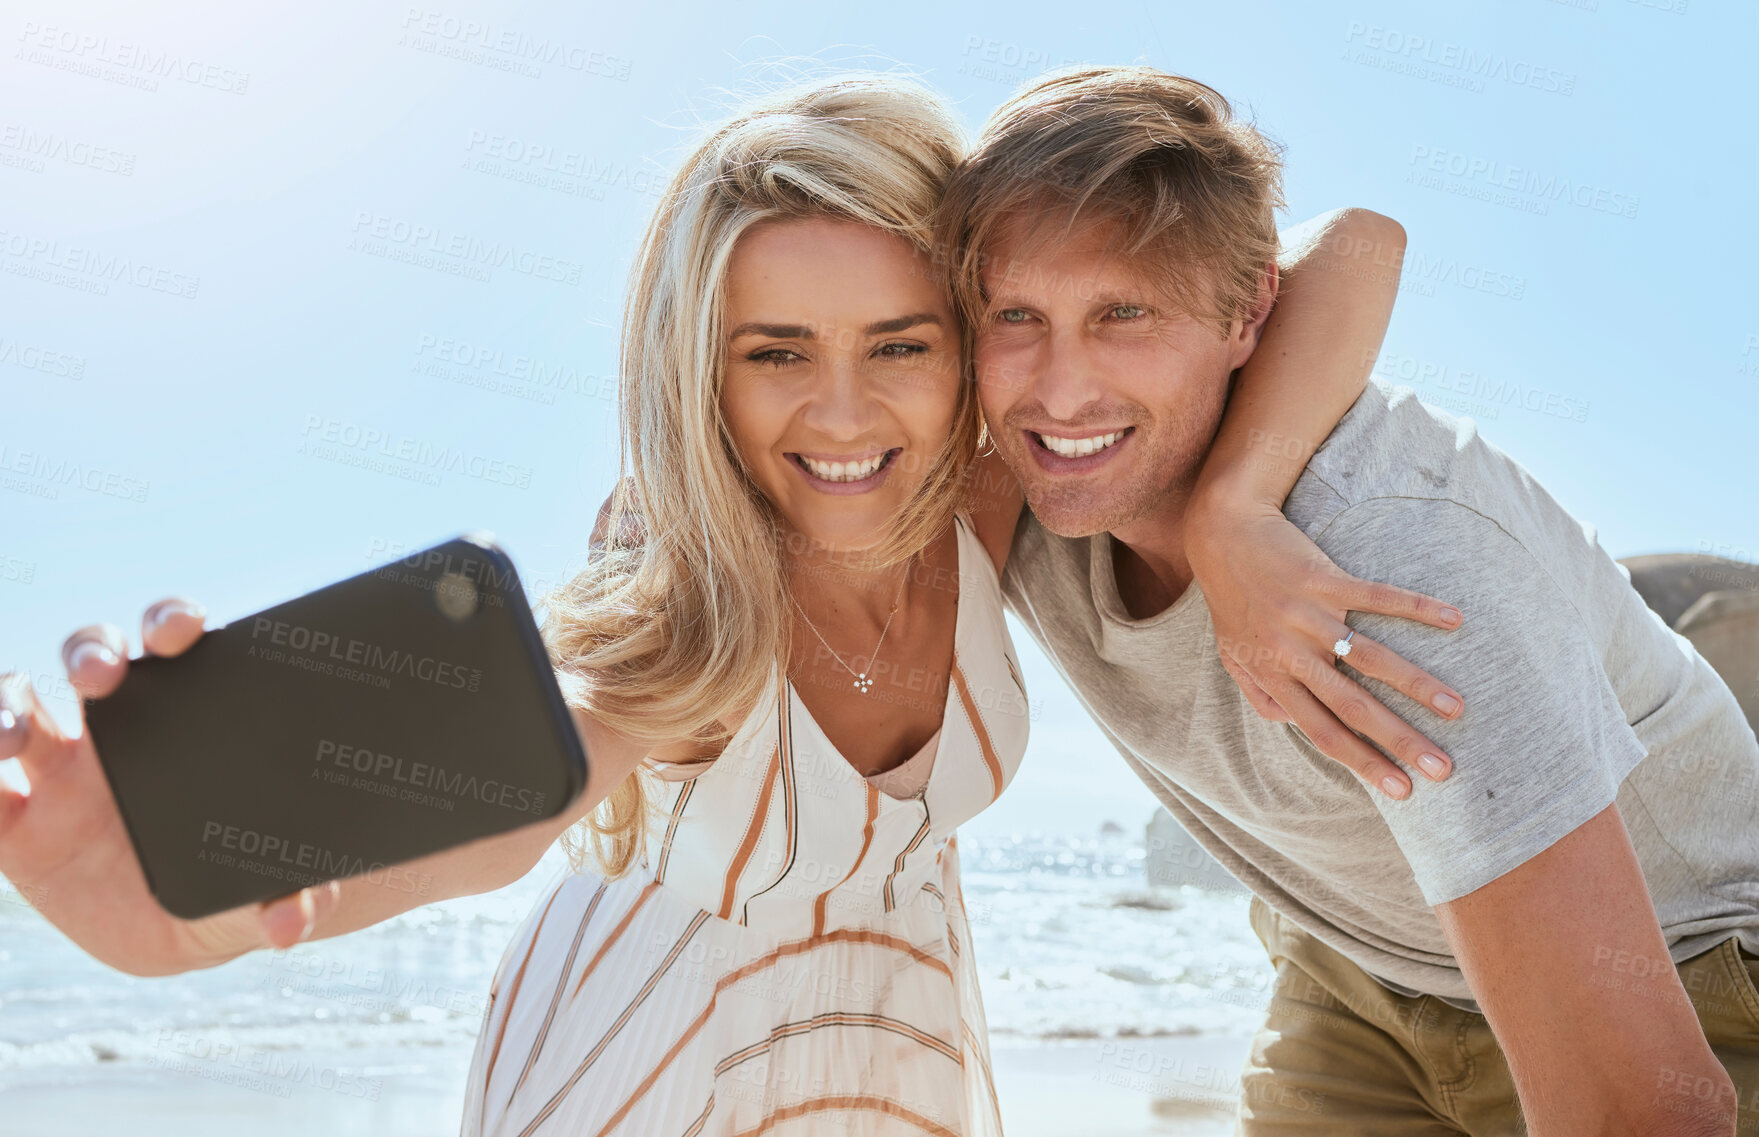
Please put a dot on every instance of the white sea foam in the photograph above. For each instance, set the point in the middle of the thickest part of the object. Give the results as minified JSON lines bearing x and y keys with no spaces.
{"x":1070,"y":940}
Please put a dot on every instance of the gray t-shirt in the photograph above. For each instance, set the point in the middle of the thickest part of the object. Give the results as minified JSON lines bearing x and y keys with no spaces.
{"x":1576,"y":696}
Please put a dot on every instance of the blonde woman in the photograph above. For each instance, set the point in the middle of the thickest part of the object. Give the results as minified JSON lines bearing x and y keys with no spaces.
{"x":793,"y":675}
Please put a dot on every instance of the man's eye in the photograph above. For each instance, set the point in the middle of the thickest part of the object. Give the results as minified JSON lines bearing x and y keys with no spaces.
{"x":1012,"y":315}
{"x":1126,"y":311}
{"x":901,"y":350}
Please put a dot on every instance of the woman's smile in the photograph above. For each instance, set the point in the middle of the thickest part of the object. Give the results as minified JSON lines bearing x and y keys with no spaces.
{"x":847,"y":475}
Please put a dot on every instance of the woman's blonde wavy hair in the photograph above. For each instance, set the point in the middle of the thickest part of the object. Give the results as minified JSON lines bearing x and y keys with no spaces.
{"x":665,"y":633}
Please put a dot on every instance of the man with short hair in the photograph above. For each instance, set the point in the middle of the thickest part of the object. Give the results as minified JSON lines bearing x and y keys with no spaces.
{"x":1564,"y":934}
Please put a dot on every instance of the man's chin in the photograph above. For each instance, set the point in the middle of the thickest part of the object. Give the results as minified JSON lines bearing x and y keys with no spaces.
{"x":1070,"y":518}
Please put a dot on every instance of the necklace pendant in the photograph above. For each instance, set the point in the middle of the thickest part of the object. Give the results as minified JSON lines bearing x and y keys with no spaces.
{"x":862,"y":683}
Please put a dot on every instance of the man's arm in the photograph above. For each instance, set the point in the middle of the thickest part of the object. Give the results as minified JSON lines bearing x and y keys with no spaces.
{"x":1592,"y":1050}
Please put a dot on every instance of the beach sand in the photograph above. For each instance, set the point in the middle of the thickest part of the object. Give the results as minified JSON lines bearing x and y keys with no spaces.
{"x":1121,"y":1088}
{"x":1126,"y":1088}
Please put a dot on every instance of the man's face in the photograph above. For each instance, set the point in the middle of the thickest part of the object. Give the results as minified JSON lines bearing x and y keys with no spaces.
{"x":1103,"y":397}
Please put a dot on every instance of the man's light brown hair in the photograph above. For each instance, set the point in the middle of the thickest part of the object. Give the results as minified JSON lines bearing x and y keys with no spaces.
{"x":1192,"y":190}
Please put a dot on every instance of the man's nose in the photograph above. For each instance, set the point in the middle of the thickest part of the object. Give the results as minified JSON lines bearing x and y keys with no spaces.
{"x":1068,"y":378}
{"x":843,"y":407}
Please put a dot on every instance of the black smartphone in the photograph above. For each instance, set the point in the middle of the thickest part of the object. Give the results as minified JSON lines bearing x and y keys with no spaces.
{"x":397,"y":713}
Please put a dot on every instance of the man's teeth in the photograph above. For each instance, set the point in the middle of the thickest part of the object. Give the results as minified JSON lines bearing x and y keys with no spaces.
{"x":1078,"y":447}
{"x":843,"y":471}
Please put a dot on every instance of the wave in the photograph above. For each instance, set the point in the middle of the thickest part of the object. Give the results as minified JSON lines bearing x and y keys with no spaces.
{"x":1070,"y":938}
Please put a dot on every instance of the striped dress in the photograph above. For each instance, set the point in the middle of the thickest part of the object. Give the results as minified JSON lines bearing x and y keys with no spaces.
{"x":792,"y":957}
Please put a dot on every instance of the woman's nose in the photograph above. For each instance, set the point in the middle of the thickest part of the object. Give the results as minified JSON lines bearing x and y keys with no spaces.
{"x":843,"y":407}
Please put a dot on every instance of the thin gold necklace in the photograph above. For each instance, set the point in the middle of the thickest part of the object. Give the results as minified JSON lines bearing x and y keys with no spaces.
{"x":862,"y":683}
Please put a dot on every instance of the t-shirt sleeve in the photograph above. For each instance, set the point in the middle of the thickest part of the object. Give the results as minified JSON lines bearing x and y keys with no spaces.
{"x":1543,"y":744}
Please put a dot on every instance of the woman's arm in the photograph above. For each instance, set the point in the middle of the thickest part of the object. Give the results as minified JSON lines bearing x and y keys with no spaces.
{"x":480,"y":866}
{"x":1277,"y":601}
{"x":64,"y":847}
{"x":1340,"y":276}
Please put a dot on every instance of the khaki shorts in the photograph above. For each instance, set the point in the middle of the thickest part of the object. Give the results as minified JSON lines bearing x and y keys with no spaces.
{"x":1341,"y":1054}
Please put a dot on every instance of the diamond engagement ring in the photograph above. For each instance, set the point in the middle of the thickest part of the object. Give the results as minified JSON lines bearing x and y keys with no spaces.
{"x":1342,"y":647}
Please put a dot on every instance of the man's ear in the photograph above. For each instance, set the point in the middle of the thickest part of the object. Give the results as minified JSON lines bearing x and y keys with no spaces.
{"x":1244,"y":335}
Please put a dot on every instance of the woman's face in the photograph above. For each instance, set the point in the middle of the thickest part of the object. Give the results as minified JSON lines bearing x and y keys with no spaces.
{"x":842,"y":373}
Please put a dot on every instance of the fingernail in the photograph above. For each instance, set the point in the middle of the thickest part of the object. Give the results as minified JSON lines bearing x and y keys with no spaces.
{"x":1451,"y":616}
{"x":89,"y":649}
{"x":1445,"y":703}
{"x":161,"y":613}
{"x":1395,"y":787}
{"x":12,"y":734}
{"x":1432,"y":766}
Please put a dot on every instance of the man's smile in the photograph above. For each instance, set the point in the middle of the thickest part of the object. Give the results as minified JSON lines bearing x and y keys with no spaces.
{"x":1068,"y":453}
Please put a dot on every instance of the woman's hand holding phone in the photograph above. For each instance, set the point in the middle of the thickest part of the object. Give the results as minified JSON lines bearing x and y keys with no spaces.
{"x":64,"y":847}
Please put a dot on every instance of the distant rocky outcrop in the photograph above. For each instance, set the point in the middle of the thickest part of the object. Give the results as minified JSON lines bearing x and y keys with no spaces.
{"x":1714,"y":602}
{"x":1171,"y":858}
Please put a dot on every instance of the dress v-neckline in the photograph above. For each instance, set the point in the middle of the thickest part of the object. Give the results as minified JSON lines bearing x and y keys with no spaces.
{"x":797,"y":704}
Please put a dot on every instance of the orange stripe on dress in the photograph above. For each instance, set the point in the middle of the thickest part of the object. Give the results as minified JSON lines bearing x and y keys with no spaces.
{"x":672,"y":829}
{"x":610,"y":1035}
{"x":739,"y":975}
{"x":785,"y":746}
{"x":982,"y":731}
{"x":989,"y":1080}
{"x":846,"y":1102}
{"x":617,"y":932}
{"x":838,"y":1018}
{"x":695,"y":1129}
{"x":512,"y":991}
{"x":561,"y":985}
{"x":789,"y":804}
{"x":898,"y":865}
{"x":818,"y":906}
{"x":753,"y":832}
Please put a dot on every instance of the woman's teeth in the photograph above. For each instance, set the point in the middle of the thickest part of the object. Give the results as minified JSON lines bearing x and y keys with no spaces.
{"x":1078,"y":447}
{"x":844,"y":471}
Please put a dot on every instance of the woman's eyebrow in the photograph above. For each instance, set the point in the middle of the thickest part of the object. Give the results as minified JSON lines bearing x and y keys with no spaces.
{"x":805,"y":332}
{"x":899,"y":323}
{"x":773,"y":331}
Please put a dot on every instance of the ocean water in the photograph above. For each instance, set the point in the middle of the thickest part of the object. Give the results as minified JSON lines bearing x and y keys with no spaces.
{"x":1072,"y":943}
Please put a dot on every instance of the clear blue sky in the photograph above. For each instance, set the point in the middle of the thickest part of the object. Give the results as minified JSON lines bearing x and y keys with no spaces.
{"x":208,"y":231}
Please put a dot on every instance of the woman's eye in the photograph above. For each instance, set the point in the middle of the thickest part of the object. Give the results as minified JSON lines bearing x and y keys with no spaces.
{"x":1126,"y":311}
{"x":1012,"y":315}
{"x":774,"y":356}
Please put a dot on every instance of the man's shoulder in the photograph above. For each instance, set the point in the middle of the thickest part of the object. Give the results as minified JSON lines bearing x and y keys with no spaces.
{"x":1391,"y":445}
{"x":1403,"y":463}
{"x":1038,"y":557}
